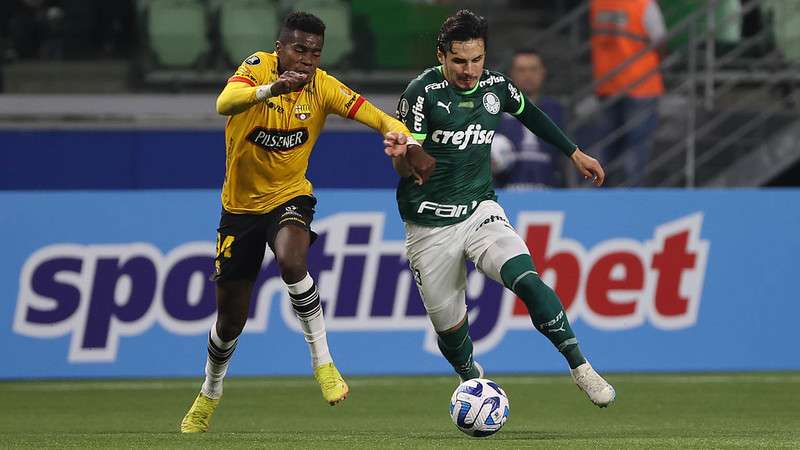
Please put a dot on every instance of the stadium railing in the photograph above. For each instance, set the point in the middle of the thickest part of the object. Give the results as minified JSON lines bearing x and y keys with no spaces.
{"x":719,"y":105}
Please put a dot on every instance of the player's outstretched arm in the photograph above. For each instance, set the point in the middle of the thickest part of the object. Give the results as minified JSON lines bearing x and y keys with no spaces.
{"x":540,"y":124}
{"x":238,"y":97}
{"x":235,"y":98}
{"x":408,"y":156}
{"x":398,"y":141}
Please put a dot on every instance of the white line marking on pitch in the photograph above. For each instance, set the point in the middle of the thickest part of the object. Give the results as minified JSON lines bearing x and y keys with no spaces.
{"x":234,"y":383}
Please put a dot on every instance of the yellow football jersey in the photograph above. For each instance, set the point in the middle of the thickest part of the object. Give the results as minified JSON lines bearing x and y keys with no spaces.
{"x":268,"y":144}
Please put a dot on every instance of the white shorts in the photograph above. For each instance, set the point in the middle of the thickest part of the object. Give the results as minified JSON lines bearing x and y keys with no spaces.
{"x":437,"y":256}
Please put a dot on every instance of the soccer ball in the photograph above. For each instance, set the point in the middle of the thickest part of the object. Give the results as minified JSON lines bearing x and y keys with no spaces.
{"x":479,"y":407}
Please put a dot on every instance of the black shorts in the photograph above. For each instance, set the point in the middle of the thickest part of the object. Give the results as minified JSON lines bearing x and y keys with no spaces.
{"x":242,"y":238}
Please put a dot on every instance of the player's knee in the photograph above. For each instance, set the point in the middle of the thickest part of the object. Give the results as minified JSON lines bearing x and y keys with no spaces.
{"x":233,"y":300}
{"x":292,"y":265}
{"x":229,"y":329}
{"x":517,"y":270}
{"x":292,"y":270}
{"x":455,"y":327}
{"x":530,"y":282}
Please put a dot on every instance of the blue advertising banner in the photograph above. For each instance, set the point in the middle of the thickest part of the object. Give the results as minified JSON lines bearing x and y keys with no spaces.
{"x":117,"y":284}
{"x":171,"y":159}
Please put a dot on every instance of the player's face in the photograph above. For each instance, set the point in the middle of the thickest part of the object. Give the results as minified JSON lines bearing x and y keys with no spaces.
{"x":299,"y":51}
{"x":463,"y":66}
{"x":528,"y":72}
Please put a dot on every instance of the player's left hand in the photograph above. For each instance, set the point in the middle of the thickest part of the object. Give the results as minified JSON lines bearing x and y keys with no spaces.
{"x":395,"y":144}
{"x":417,"y":161}
{"x":589,"y":167}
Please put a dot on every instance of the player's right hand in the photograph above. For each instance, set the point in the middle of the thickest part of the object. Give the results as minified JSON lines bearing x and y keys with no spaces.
{"x":288,"y":81}
{"x":421,"y":163}
{"x":589,"y":167}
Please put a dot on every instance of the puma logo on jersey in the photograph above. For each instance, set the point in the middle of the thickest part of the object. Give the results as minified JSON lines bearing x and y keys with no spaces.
{"x":472,"y":135}
{"x":447,"y":106}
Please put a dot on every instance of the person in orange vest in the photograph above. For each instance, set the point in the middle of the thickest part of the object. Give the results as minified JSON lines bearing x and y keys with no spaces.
{"x":622,"y":32}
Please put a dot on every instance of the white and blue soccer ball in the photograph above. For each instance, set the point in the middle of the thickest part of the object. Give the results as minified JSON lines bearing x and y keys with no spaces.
{"x":479,"y":407}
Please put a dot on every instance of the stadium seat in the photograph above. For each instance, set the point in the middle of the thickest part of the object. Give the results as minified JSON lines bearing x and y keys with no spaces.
{"x":729,"y":22}
{"x":410,"y":45}
{"x":176,"y":31}
{"x":247,"y":26}
{"x":786,"y":23}
{"x":336,"y":15}
{"x":141,"y":6}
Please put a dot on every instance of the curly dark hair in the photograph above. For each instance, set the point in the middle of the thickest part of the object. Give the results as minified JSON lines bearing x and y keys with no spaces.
{"x":463,"y":26}
{"x":302,"y":21}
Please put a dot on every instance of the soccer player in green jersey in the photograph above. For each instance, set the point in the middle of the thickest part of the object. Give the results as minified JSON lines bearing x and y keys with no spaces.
{"x":453,"y":110}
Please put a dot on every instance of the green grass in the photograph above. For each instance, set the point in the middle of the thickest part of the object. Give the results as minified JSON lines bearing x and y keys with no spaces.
{"x":652,"y":411}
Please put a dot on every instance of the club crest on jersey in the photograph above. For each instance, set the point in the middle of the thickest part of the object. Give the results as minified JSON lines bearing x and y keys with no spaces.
{"x":302,"y":112}
{"x":253,"y":60}
{"x":491,"y":103}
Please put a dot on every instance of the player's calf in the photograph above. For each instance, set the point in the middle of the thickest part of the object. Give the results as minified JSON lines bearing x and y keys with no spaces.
{"x":456,"y":346}
{"x":544,"y":307}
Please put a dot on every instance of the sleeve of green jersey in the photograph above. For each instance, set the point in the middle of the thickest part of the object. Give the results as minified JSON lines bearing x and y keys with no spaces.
{"x":535,"y":120}
{"x":412,"y":110}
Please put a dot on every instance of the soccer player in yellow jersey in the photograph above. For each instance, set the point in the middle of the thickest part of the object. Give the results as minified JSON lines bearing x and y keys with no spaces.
{"x":277,"y":104}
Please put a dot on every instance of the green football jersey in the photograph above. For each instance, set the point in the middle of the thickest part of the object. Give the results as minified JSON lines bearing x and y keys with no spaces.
{"x":457,"y":128}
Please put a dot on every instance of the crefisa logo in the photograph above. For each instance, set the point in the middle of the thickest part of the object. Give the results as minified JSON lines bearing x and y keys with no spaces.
{"x":98,"y":294}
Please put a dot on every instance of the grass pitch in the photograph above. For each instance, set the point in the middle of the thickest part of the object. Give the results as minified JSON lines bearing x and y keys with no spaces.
{"x":652,"y":411}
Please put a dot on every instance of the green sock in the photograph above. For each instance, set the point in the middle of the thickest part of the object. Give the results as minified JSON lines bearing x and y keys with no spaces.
{"x":543,"y":305}
{"x":457,"y":349}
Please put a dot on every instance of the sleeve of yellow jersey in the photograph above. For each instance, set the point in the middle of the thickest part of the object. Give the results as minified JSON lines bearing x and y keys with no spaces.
{"x":343,"y":101}
{"x":240,"y":92}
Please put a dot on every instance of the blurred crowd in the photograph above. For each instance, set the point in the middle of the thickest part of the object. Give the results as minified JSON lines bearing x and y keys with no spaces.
{"x":617,"y":31}
{"x":66,"y":29}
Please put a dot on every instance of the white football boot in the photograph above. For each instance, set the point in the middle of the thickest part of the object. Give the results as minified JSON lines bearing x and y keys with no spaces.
{"x":596,"y":388}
